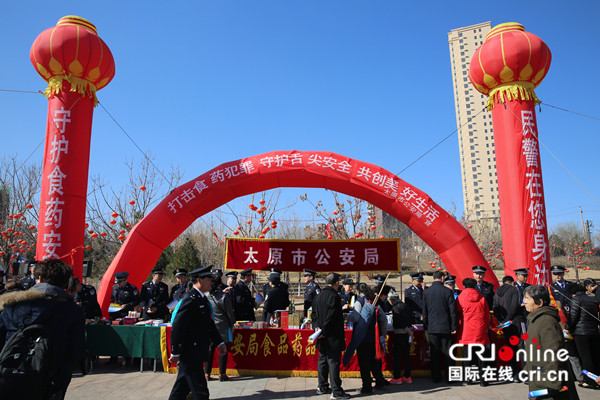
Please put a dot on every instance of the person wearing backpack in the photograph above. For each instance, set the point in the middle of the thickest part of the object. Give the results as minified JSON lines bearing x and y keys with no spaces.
{"x":41,"y":335}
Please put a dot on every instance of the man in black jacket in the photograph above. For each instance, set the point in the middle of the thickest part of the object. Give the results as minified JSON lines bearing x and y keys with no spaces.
{"x":179,"y":290}
{"x":507,"y":308}
{"x":439,"y":320}
{"x":154,"y":297}
{"x":312,"y":289}
{"x":327,"y":315}
{"x":243,"y":302}
{"x":592,"y":287}
{"x":413,"y":297}
{"x":506,"y":301}
{"x":47,"y":304}
{"x":125,"y":294}
{"x":485,"y":288}
{"x":277,"y":297}
{"x":192,"y":332}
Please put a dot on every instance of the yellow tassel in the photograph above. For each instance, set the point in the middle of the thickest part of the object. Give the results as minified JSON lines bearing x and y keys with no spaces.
{"x":512,"y":91}
{"x":81,"y":86}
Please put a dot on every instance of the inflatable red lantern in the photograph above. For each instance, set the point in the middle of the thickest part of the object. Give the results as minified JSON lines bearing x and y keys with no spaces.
{"x":142,"y":188}
{"x":76,"y":63}
{"x":114,"y":215}
{"x":507,"y":67}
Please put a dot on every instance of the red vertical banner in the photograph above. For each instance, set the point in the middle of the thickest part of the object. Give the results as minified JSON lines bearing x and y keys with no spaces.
{"x":64,"y":178}
{"x":521,"y":190}
{"x":507,"y":67}
{"x":76,"y":63}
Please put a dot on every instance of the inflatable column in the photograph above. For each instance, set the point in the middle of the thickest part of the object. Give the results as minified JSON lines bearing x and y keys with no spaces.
{"x":76,"y":63}
{"x":507,"y":67}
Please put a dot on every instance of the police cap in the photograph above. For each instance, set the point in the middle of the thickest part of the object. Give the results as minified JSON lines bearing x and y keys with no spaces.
{"x":417,"y":276}
{"x":231,"y":274}
{"x":121,"y":276}
{"x":309,"y":272}
{"x":522,"y":271}
{"x":478,"y":269}
{"x":557,"y":269}
{"x":158,"y":270}
{"x":276,"y":271}
{"x":246,"y":272}
{"x":180,"y":271}
{"x":347,"y":281}
{"x":201,"y":272}
{"x":589,"y":282}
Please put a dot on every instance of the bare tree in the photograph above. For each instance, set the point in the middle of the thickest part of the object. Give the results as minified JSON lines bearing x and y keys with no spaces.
{"x":111,"y":213}
{"x":19,"y":204}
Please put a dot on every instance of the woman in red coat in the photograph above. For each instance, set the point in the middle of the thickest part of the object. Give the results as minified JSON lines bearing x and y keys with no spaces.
{"x":473,"y":321}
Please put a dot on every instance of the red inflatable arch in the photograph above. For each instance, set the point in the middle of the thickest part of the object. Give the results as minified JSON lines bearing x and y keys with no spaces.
{"x":314,"y":169}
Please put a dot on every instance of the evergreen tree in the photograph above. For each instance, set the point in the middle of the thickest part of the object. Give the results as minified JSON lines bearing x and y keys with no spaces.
{"x":187,"y":256}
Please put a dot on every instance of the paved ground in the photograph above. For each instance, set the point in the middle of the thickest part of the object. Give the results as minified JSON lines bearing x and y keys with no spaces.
{"x":128,"y":383}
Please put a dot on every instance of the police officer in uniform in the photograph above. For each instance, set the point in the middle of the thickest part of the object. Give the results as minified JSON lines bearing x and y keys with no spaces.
{"x":190,"y":345}
{"x":231,"y":280}
{"x":450,"y":283}
{"x":85,"y":297}
{"x":277,"y":297}
{"x":485,"y":288}
{"x":521,"y":284}
{"x":347,"y":295}
{"x":378,"y":280}
{"x":29,"y":280}
{"x":218,"y":274}
{"x":267,"y":286}
{"x":413,"y":297}
{"x":125,"y":294}
{"x":243,"y":302}
{"x":154,"y":297}
{"x":312,"y":289}
{"x":561,"y":286}
{"x":178,"y":291}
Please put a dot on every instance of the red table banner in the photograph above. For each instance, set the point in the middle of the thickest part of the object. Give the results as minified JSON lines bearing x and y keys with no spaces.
{"x":318,"y":255}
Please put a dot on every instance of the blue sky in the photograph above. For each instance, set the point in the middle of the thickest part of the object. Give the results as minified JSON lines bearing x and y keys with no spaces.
{"x":213,"y":81}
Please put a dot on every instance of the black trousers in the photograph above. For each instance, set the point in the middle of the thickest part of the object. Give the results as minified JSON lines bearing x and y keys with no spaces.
{"x":508,"y":332}
{"x":329,"y":367}
{"x":401,"y":354}
{"x":588,"y":347}
{"x":190,"y":378}
{"x":208,"y":365}
{"x":365,"y":352}
{"x":439,"y":343}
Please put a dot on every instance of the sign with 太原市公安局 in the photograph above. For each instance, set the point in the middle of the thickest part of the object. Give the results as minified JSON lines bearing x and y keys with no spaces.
{"x":318,"y":255}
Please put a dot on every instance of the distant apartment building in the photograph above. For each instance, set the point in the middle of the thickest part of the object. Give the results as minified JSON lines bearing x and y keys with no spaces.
{"x":475,"y":132}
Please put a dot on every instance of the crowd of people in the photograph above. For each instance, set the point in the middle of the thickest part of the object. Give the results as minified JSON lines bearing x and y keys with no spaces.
{"x":563,"y":316}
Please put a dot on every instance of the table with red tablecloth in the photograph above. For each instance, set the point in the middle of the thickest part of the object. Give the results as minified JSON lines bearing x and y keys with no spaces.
{"x":287,"y":352}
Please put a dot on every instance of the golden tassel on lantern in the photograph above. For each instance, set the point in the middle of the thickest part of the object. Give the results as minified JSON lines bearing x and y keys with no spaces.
{"x":81,"y":86}
{"x":512,"y":91}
